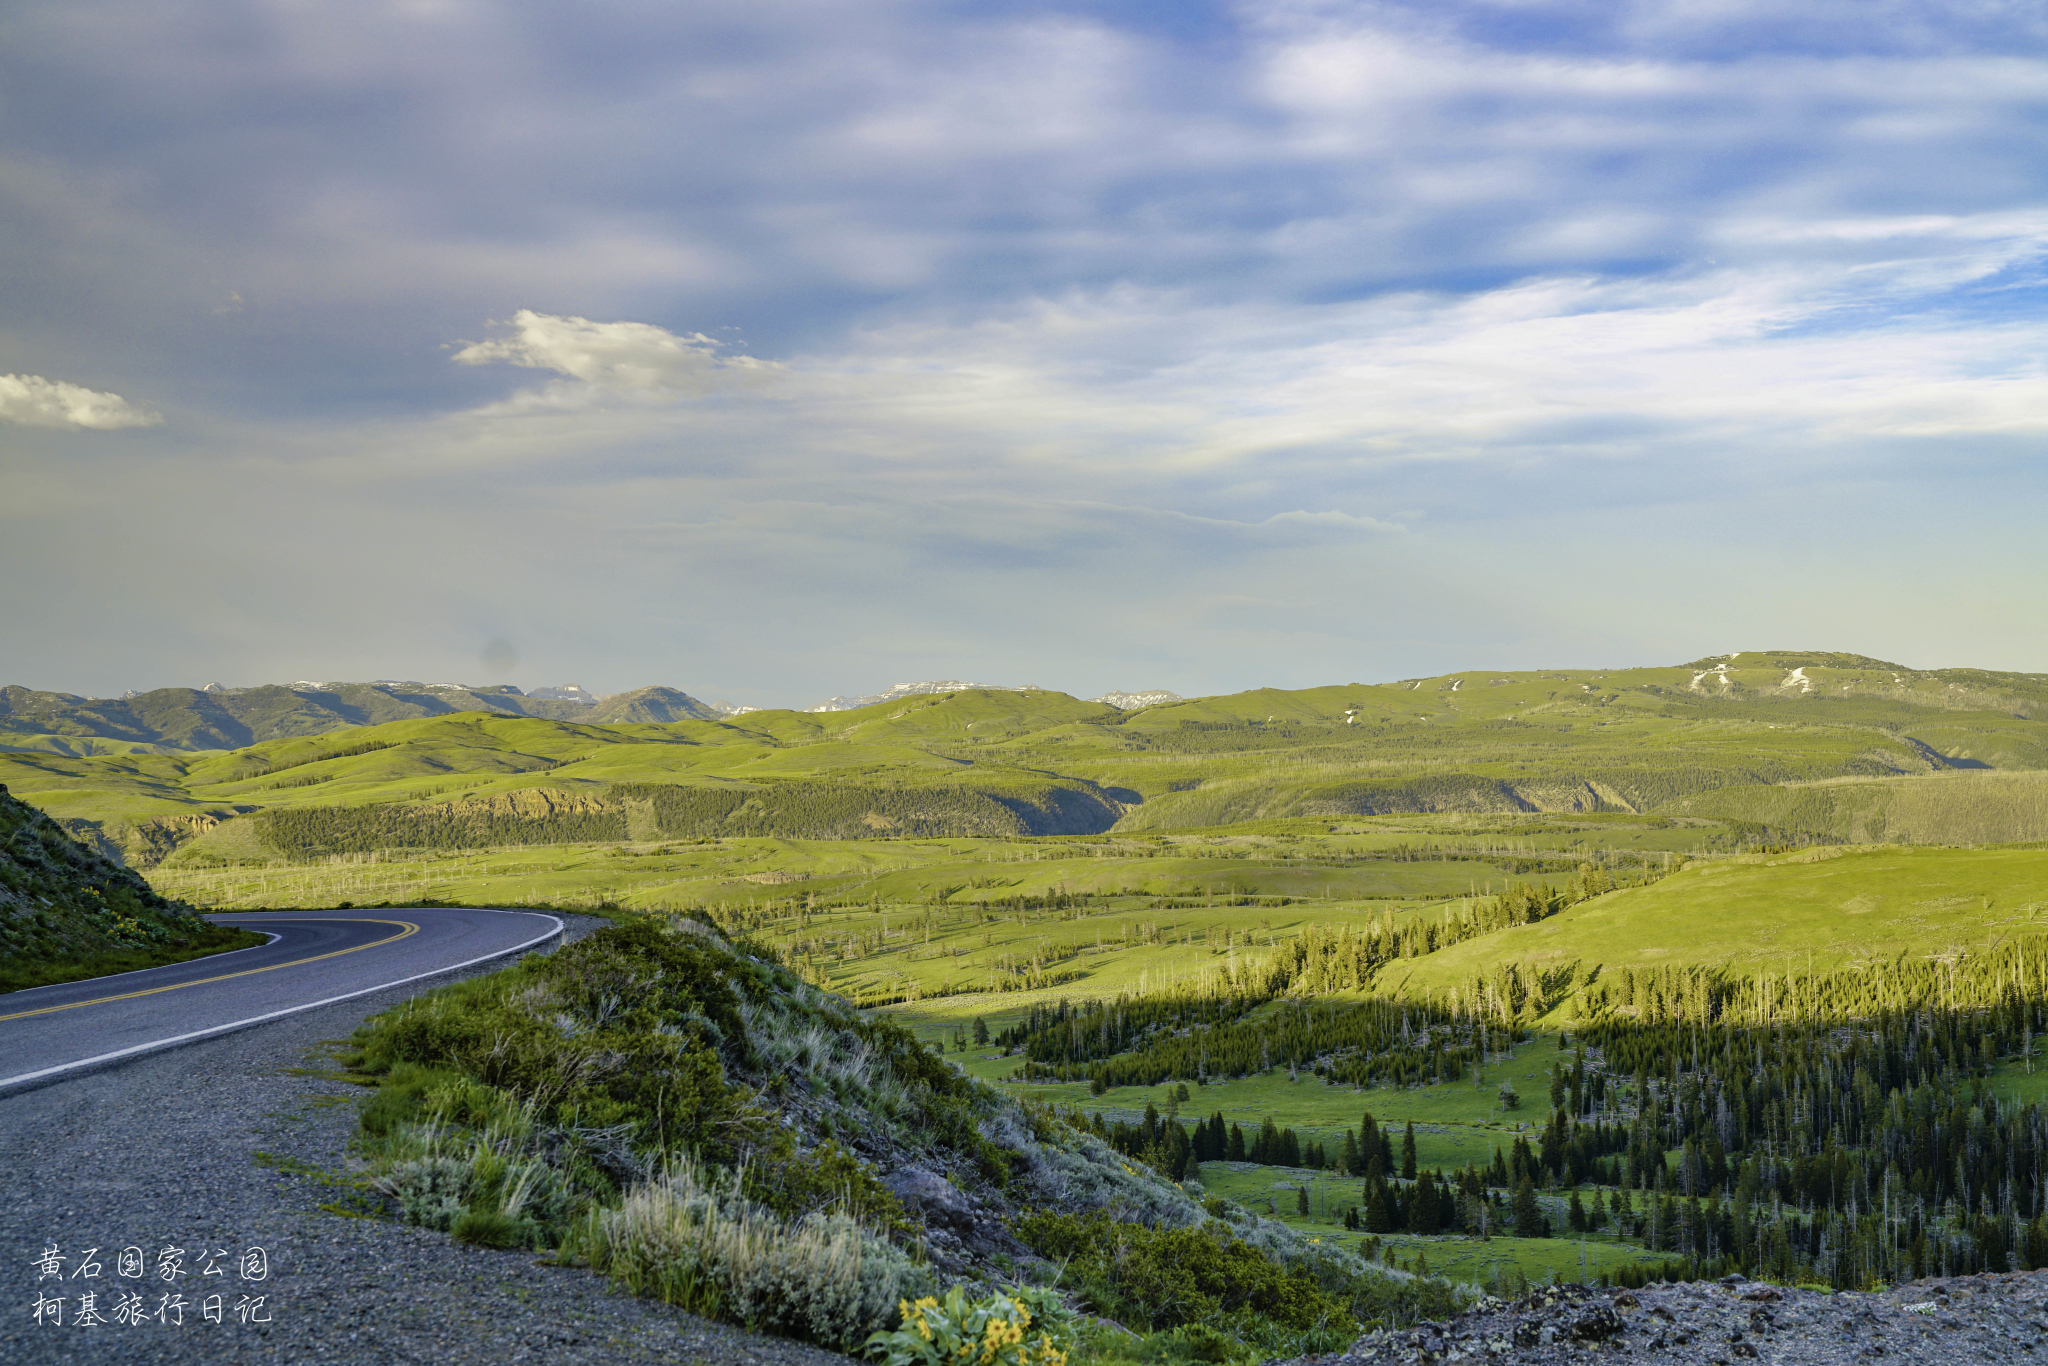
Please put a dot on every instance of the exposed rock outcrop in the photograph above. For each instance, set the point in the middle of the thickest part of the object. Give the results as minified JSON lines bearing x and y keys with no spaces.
{"x":1959,"y":1321}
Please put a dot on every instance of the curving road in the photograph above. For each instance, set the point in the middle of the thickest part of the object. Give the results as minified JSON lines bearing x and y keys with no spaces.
{"x":314,"y":958}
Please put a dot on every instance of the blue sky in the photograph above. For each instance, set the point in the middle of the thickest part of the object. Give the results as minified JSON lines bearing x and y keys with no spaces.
{"x":776,"y":350}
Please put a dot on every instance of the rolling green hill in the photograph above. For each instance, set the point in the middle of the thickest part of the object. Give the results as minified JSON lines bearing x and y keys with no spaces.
{"x":1767,"y":747}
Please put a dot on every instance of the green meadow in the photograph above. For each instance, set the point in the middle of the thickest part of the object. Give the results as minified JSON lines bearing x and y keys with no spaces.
{"x":1825,"y":909}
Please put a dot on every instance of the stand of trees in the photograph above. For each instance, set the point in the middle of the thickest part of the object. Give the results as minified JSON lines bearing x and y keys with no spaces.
{"x":1836,"y":1128}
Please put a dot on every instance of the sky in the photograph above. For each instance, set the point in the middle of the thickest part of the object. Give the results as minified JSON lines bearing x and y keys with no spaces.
{"x":773,"y":350}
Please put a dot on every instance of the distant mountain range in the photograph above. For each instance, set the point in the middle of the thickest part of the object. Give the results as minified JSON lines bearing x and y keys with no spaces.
{"x":167,"y":720}
{"x":216,"y":717}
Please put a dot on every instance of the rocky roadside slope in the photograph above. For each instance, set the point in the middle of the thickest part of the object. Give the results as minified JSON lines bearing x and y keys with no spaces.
{"x":1957,"y":1321}
{"x":245,"y":1140}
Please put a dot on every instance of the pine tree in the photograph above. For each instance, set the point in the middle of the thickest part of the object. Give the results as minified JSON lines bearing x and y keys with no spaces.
{"x":1301,"y":1200}
{"x":1528,"y":1214}
{"x":1422,"y":1207}
{"x":1236,"y":1151}
{"x":1377,"y":1217}
{"x":1179,"y":1152}
{"x":1577,"y":1217}
{"x":1408,"y":1153}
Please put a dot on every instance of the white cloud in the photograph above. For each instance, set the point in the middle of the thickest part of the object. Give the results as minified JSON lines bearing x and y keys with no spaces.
{"x":32,"y":401}
{"x":617,"y":356}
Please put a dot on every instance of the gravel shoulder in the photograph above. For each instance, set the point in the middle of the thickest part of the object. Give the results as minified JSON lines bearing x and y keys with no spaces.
{"x":223,"y":1145}
{"x":1955,"y":1321}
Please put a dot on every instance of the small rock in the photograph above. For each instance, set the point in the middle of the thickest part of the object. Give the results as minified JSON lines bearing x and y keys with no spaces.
{"x":1597,"y":1324}
{"x":931,"y":1195}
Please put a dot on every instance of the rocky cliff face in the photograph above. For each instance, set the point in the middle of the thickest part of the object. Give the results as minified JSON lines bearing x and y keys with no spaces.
{"x":1131,"y":701}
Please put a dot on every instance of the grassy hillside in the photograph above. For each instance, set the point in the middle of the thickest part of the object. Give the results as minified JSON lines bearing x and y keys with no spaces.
{"x":1822,"y":910}
{"x":67,"y":912}
{"x":1969,"y":807}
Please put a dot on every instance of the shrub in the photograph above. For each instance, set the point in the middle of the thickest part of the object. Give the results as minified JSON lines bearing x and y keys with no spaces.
{"x":691,"y":1239}
{"x":1163,"y":1278}
{"x":428,"y":1190}
{"x":1026,"y":1326}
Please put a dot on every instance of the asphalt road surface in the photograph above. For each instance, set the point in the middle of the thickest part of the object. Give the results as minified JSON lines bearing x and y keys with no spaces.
{"x":316,"y":958}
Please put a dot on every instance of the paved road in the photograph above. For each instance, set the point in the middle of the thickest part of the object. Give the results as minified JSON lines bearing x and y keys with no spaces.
{"x":316,"y":958}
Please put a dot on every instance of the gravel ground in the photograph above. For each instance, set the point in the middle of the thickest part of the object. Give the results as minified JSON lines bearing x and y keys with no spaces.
{"x":220,"y":1145}
{"x":1960,"y":1321}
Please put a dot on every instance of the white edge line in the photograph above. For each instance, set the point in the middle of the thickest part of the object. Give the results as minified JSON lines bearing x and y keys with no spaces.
{"x":203,"y":958}
{"x":155,"y":1044}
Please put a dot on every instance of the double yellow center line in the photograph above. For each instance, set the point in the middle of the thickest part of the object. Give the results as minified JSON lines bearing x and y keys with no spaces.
{"x":406,"y":928}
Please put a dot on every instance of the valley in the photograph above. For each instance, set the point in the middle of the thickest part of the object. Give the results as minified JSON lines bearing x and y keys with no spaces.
{"x":1480,"y":981}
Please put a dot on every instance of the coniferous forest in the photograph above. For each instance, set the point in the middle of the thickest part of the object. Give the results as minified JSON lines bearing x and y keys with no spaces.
{"x":1837,"y":1129}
